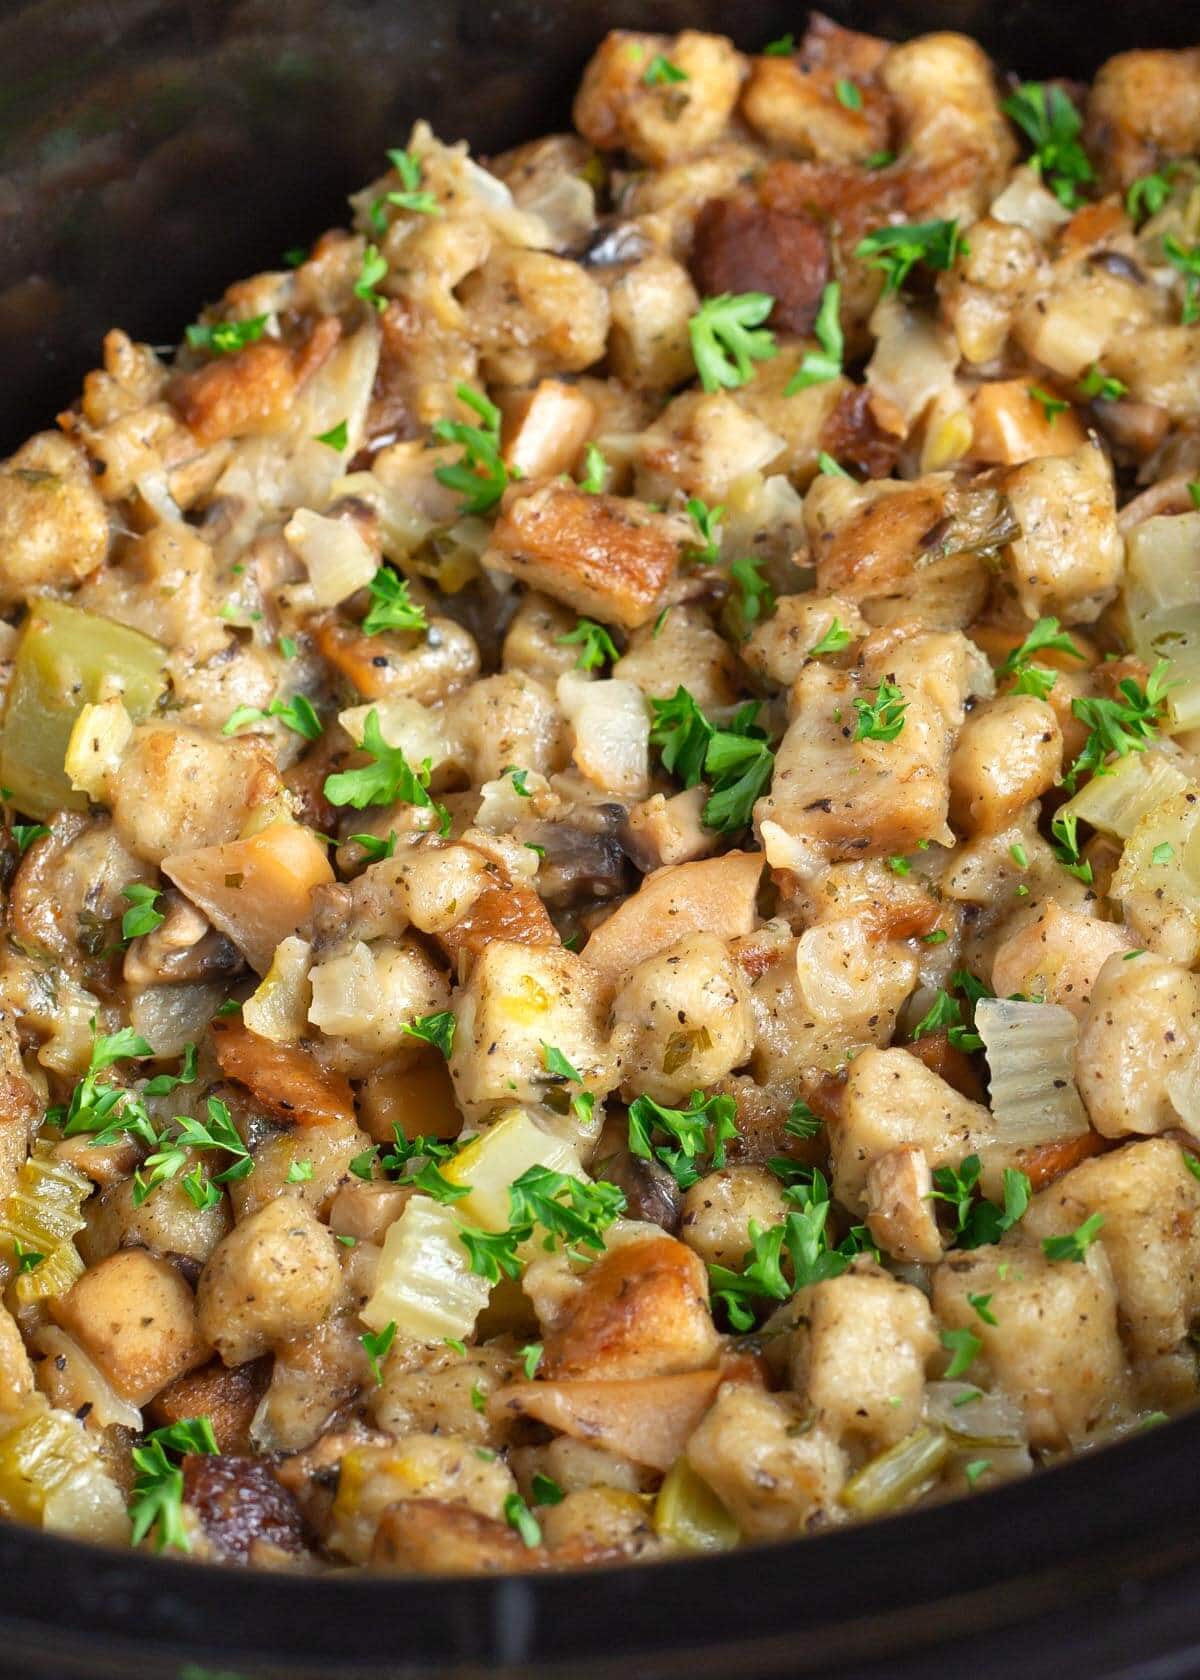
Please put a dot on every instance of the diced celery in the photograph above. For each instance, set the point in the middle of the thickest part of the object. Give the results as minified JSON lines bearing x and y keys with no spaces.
{"x":65,"y":660}
{"x":688,"y":1514}
{"x":1117,"y":801}
{"x":898,"y":1475}
{"x":51,"y":1475}
{"x":43,"y":1214}
{"x":424,"y":1284}
{"x":490,"y":1163}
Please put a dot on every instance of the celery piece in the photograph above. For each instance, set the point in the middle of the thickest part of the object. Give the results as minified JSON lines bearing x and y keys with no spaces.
{"x":898,"y":1475}
{"x":65,"y":659}
{"x":688,"y":1514}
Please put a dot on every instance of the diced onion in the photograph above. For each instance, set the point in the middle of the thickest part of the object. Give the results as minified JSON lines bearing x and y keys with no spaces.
{"x":99,"y":736}
{"x":278,"y":1010}
{"x":491,"y":1162}
{"x":1183,"y":1089}
{"x":788,"y":851}
{"x":688,"y":1514}
{"x":79,"y":1381}
{"x":336,"y":553}
{"x":1031,"y":1060}
{"x":1117,"y":801}
{"x":612,"y":732}
{"x":424,"y":1284}
{"x":983,"y":1418}
{"x":914,"y":359}
{"x":899,"y":1475}
{"x":1157,"y":882}
{"x":1163,"y":601}
{"x":345,"y":992}
{"x":1026,"y":203}
{"x":406,"y":724}
{"x":170,"y":1017}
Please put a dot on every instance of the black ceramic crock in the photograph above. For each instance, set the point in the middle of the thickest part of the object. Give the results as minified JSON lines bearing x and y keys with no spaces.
{"x":151,"y":151}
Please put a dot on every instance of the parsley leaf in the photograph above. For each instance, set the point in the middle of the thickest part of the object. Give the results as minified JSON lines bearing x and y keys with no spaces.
{"x":565,"y":1207}
{"x":387,"y":778}
{"x":1118,"y":726}
{"x":660,"y":72}
{"x":481,"y":475}
{"x":26,"y":833}
{"x":831,"y":468}
{"x":897,"y":250}
{"x":337,"y":437}
{"x":1051,"y":406}
{"x":1076,"y":1243}
{"x":801,"y":1121}
{"x":1046,"y":636}
{"x":848,"y":94}
{"x":141,"y":917}
{"x":594,"y":469}
{"x":410,"y":197}
{"x":545,"y":1490}
{"x":392,"y":607}
{"x":1148,"y":194}
{"x":531,"y":1358}
{"x":518,"y":1515}
{"x":375,"y":848}
{"x":704,"y":1127}
{"x":224,"y":337}
{"x":1063,"y":827}
{"x":736,"y":761}
{"x":594,"y":642}
{"x":708,"y":523}
{"x":963,"y":1346}
{"x":93,"y":1105}
{"x":752,"y":598}
{"x":1188,"y":263}
{"x":880,"y":719}
{"x":1053,"y":126}
{"x":493,"y":1252}
{"x":833,"y":641}
{"x":802,"y":1237}
{"x":819,"y":366}
{"x":157,"y":1502}
{"x":982,"y":1305}
{"x":783,"y":47}
{"x":297,"y":714}
{"x":377,"y":1347}
{"x":374,"y":267}
{"x":1102,"y":385}
{"x":436,"y":1029}
{"x":728,"y":337}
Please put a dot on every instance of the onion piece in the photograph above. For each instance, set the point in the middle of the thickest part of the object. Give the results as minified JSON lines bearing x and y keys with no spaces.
{"x":278,"y":1010}
{"x":1157,"y":882}
{"x":983,"y":1418}
{"x":415,"y":729}
{"x":1026,"y":203}
{"x":1116,"y":802}
{"x":74,"y":1380}
{"x":1031,"y":1059}
{"x":612,"y":732}
{"x":914,"y":359}
{"x":424,"y":1283}
{"x":1183,"y":1089}
{"x":337,"y":555}
{"x":1163,"y":601}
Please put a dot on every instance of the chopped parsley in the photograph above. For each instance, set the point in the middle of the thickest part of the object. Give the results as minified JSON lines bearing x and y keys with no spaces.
{"x":1148,"y":194}
{"x":801,"y":1121}
{"x":1046,"y":636}
{"x":834,"y":640}
{"x":829,"y":468}
{"x":1076,"y":1243}
{"x":141,"y":917}
{"x":300,"y":1172}
{"x":546,"y":1490}
{"x":897,"y":250}
{"x":660,"y":72}
{"x":708,"y":523}
{"x":848,"y":94}
{"x":480,"y":476}
{"x":157,"y":1503}
{"x":1163,"y":852}
{"x":392,"y":607}
{"x":752,"y":598}
{"x":736,"y":762}
{"x":375,"y":848}
{"x":1118,"y":726}
{"x":983,"y":1306}
{"x":377,"y":1347}
{"x":224,"y":337}
{"x":387,"y":778}
{"x":1050,"y":405}
{"x":1063,"y":827}
{"x":26,"y":833}
{"x":518,"y":1515}
{"x":411,"y":197}
{"x":436,"y":1029}
{"x":802,"y":1239}
{"x":782,"y":47}
{"x":979,"y":1222}
{"x":728,"y":337}
{"x":594,"y":469}
{"x":880,"y":719}
{"x":1187,"y":261}
{"x":493,"y":1252}
{"x":704,"y":1127}
{"x":337,"y":437}
{"x":1052,"y":125}
{"x":594,"y":643}
{"x":1102,"y":385}
{"x":531,"y":1358}
{"x":374,"y":268}
{"x":820,"y":366}
{"x":297,"y":714}
{"x":963,"y":1346}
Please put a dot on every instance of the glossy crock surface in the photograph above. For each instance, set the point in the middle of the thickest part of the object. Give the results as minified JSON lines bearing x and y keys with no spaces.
{"x":151,"y":151}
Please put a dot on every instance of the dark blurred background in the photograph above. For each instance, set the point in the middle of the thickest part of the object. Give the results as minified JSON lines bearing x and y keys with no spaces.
{"x":153,"y":150}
